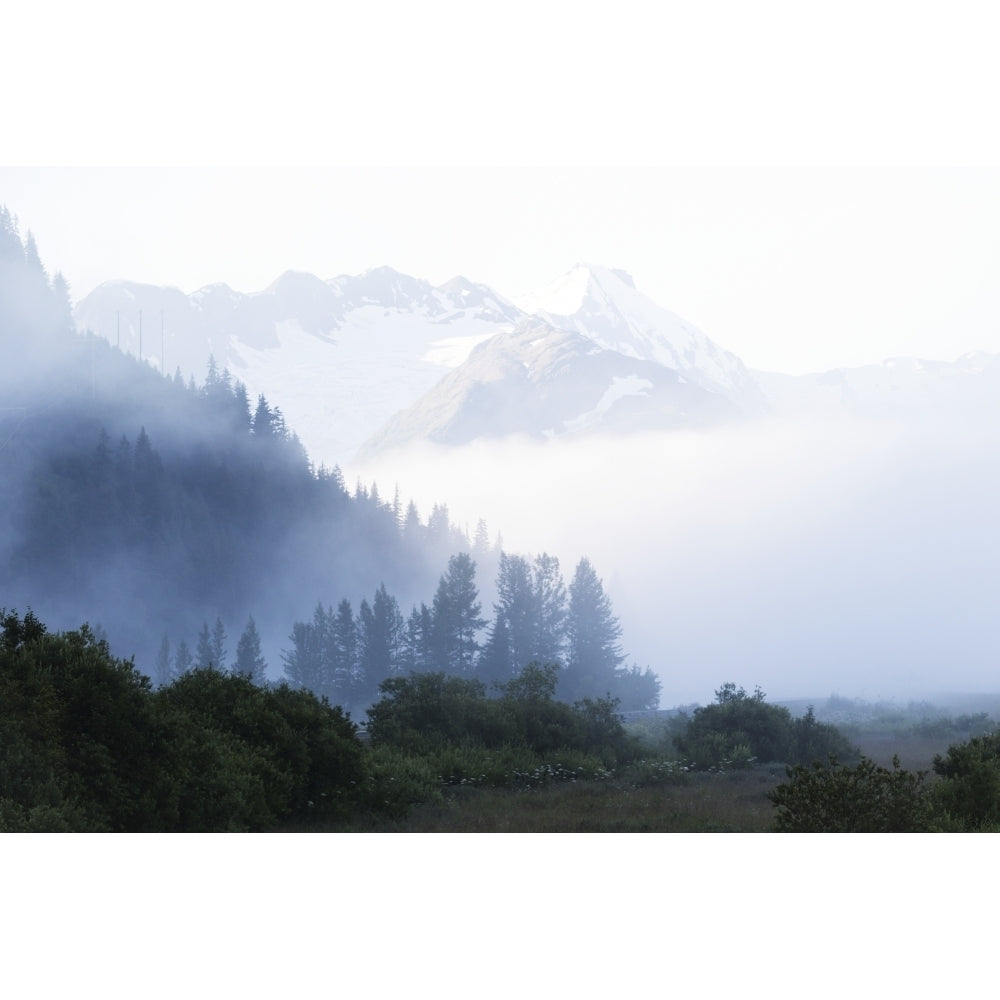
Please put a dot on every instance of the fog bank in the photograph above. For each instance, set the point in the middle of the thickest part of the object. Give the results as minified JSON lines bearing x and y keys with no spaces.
{"x":842,"y":555}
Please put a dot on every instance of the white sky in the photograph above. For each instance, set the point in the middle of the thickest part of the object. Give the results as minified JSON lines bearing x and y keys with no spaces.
{"x":793,"y":269}
{"x":810,"y":190}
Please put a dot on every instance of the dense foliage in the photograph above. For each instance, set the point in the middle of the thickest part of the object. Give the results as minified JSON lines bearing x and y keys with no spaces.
{"x":88,"y":745}
{"x":866,"y":798}
{"x":346,"y":656}
{"x":424,"y":712}
{"x":741,"y":728}
{"x":970,"y":793}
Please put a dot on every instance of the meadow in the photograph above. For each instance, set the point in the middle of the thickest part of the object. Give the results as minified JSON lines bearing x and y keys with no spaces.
{"x":661,"y":796}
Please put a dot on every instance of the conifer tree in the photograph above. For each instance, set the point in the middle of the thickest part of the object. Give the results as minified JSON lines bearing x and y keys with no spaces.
{"x":249,"y":660}
{"x":163,"y":663}
{"x":517,"y":608}
{"x":456,"y":617}
{"x":204,"y":653}
{"x":594,"y":652}
{"x":182,"y":660}
{"x":219,"y":645}
{"x":550,"y":598}
{"x":345,"y":655}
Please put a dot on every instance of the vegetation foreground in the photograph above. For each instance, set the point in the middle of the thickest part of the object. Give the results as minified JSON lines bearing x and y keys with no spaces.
{"x":87,"y":744}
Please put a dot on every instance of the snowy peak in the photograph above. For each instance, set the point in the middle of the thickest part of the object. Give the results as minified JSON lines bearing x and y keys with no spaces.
{"x":541,"y":381}
{"x":339,"y":356}
{"x":383,"y":287}
{"x":603,"y":304}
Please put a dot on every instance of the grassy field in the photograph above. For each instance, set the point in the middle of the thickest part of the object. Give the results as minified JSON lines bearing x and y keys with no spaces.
{"x":728,"y":802}
{"x":734,"y":802}
{"x":697,"y":803}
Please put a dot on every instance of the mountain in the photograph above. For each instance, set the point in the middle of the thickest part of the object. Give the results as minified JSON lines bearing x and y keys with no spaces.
{"x":898,"y":386}
{"x":604,"y":305}
{"x":595,"y":356}
{"x":544,"y":382}
{"x":339,"y":357}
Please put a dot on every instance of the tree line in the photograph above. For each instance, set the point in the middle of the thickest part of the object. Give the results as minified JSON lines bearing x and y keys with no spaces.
{"x":345,"y":655}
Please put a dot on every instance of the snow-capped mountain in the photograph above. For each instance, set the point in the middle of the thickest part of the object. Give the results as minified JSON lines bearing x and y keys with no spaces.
{"x":377,"y":360}
{"x":540,"y":381}
{"x":597,"y":355}
{"x":604,"y":305}
{"x":339,"y":357}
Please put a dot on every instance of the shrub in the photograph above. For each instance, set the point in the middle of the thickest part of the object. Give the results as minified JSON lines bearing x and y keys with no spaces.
{"x":740,"y":729}
{"x":424,"y":713}
{"x":278,"y":754}
{"x":970,"y":792}
{"x":866,"y":798}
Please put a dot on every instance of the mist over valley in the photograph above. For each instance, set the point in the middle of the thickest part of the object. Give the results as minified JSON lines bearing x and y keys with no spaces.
{"x":813,"y":534}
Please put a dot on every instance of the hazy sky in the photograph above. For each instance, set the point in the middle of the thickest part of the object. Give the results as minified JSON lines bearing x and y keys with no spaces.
{"x":850,"y":212}
{"x":794,"y":269}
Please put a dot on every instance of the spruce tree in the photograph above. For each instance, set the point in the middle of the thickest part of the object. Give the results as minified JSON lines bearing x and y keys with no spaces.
{"x":456,"y":617}
{"x":345,"y":655}
{"x":183,"y":661}
{"x":550,"y":598}
{"x":594,"y":652}
{"x":249,"y":660}
{"x":163,"y":663}
{"x":219,"y":645}
{"x":516,"y":606}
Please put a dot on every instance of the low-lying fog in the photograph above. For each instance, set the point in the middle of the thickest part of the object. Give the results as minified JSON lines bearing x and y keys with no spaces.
{"x":847,"y":555}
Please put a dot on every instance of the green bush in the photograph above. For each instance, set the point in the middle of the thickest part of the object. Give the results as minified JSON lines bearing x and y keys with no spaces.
{"x":741,"y":729}
{"x":87,"y":744}
{"x":80,"y":741}
{"x":395,"y":780}
{"x":970,"y":792}
{"x":866,"y":798}
{"x":424,"y":713}
{"x":278,"y":753}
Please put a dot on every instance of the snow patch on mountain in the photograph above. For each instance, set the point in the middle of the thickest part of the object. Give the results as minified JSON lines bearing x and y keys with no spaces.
{"x":339,"y":357}
{"x":619,"y":388}
{"x":603,"y":304}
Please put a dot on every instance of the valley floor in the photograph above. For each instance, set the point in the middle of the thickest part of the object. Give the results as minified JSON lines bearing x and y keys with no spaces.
{"x":732,"y":802}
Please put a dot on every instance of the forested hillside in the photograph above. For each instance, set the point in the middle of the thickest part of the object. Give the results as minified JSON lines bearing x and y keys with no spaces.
{"x":174,"y":517}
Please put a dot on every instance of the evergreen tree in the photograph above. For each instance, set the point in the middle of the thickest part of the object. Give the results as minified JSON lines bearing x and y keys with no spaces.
{"x":495,"y":660}
{"x":416,"y":653}
{"x":249,"y":660}
{"x":345,"y":680}
{"x":163,"y":664}
{"x":380,"y":635}
{"x":303,"y":663}
{"x":517,"y":607}
{"x":182,"y":660}
{"x":481,"y":543}
{"x":219,"y":645}
{"x":550,"y":598}
{"x":456,"y":617}
{"x":594,"y":652}
{"x":204,"y":658}
{"x":413,"y":530}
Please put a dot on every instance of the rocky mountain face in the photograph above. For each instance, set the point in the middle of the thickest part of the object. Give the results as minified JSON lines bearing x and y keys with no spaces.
{"x":365,"y":363}
{"x":339,"y":357}
{"x":542,"y":382}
